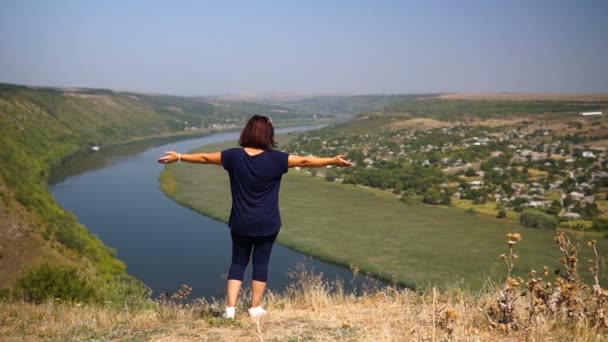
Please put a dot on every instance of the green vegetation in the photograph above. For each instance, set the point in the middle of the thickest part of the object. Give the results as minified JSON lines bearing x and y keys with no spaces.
{"x":371,"y":229}
{"x":346,"y":106}
{"x":495,"y":158}
{"x":41,"y":127}
{"x":450,"y":110}
{"x":54,"y":282}
{"x":537,"y":219}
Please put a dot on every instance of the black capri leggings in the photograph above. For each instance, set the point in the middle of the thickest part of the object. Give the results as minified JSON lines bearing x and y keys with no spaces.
{"x":241,"y":253}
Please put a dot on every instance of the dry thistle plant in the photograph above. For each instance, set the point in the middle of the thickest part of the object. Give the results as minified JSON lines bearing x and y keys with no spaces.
{"x":539,"y":293}
{"x":600,"y":295}
{"x":569,"y":287}
{"x":502,"y":313}
{"x":169,"y":306}
{"x":568,"y":299}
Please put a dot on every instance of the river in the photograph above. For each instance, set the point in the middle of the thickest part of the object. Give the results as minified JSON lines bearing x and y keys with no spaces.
{"x":115,"y":193}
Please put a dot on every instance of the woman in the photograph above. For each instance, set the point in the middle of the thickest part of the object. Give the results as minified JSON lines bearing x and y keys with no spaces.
{"x":255,"y":171}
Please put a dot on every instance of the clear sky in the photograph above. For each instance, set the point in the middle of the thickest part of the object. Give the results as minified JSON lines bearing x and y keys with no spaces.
{"x":307,"y":46}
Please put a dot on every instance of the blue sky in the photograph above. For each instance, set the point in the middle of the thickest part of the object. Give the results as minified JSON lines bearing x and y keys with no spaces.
{"x":217,"y":47}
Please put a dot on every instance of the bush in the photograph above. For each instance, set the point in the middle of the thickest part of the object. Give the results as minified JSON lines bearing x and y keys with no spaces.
{"x":537,"y":219}
{"x":330,"y":175}
{"x":502,"y":213}
{"x":50,"y":282}
{"x":600,"y":224}
{"x":410,"y":197}
{"x":432,"y":196}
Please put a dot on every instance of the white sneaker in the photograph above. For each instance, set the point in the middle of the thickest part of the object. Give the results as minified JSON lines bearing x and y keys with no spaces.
{"x":257,"y":312}
{"x":229,"y":312}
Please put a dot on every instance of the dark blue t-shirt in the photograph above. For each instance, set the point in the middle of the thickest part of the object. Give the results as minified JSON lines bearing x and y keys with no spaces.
{"x":254,"y":184}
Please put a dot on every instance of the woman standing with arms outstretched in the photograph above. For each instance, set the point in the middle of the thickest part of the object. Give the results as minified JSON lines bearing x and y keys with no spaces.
{"x":255,"y":171}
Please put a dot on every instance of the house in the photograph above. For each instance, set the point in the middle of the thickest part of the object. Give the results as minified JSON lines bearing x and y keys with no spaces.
{"x":591,"y":113}
{"x":577,"y":196}
{"x":476,"y":184}
{"x":525,"y":197}
{"x":538,"y":204}
{"x":598,"y":175}
{"x":571,"y":216}
{"x":588,"y":199}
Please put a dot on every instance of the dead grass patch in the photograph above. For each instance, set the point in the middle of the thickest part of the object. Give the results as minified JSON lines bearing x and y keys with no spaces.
{"x":527,"y":96}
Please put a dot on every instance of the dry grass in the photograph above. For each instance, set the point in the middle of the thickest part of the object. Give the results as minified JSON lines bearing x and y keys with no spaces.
{"x":528,"y":96}
{"x":422,"y":124}
{"x":310,"y":310}
{"x":553,"y":123}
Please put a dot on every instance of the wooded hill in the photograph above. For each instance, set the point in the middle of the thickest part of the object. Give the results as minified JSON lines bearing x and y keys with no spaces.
{"x":40,"y":127}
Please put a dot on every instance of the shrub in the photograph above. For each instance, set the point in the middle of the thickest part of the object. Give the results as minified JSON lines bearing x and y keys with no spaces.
{"x":502,"y":213}
{"x":432,"y":196}
{"x":600,"y":224}
{"x":537,"y":219}
{"x":51,"y":282}
{"x":330,"y":175}
{"x":410,"y":197}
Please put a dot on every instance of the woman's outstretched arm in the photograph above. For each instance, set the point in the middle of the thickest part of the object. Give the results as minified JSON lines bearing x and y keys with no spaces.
{"x":200,"y":158}
{"x":311,"y":161}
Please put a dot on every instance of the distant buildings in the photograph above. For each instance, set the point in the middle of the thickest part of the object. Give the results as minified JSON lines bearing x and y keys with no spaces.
{"x":591,"y":113}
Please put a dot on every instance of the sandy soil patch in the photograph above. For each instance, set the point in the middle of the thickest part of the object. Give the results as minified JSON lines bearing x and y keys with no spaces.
{"x":421,"y":124}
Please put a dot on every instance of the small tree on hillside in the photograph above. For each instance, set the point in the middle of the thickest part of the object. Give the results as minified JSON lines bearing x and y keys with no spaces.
{"x":537,"y":219}
{"x":432,"y":196}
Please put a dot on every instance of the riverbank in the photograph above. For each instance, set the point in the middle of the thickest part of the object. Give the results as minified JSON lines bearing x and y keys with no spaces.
{"x":44,"y":126}
{"x":371,"y":231}
{"x":163,"y":243}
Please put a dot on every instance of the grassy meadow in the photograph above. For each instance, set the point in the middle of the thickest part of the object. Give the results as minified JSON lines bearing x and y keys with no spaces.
{"x":372,"y":231}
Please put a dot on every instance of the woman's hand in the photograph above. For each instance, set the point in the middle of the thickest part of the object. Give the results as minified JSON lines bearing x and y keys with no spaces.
{"x":170,"y":157}
{"x":340,"y":161}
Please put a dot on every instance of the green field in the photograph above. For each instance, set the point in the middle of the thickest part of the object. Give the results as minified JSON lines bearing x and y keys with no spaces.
{"x":416,"y":245}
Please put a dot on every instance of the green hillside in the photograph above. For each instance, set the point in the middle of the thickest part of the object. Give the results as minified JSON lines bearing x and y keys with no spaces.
{"x":347,"y":106}
{"x":40,"y":127}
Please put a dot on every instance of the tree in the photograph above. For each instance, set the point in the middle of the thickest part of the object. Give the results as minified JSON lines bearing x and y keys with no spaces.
{"x":502,"y":213}
{"x":432,"y":196}
{"x":537,"y":219}
{"x":410,"y":197}
{"x":446,"y":197}
{"x":600,"y":224}
{"x":330,"y":175}
{"x":554,"y":209}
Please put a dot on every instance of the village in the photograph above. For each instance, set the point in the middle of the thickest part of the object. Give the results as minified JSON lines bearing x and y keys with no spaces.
{"x":496,"y":170}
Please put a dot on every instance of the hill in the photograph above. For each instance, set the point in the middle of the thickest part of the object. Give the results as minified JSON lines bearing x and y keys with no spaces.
{"x":40,"y":127}
{"x":314,"y":310}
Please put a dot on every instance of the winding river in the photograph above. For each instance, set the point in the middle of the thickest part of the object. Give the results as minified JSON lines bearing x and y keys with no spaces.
{"x":115,"y":193}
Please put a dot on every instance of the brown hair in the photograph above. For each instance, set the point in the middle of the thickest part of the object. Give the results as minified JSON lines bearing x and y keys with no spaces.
{"x":258,"y":133}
